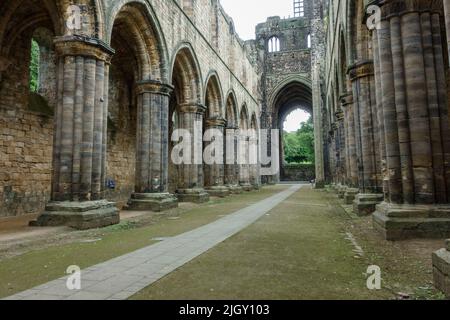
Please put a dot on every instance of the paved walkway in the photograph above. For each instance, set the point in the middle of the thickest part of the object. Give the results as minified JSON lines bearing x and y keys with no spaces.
{"x":122,"y":277}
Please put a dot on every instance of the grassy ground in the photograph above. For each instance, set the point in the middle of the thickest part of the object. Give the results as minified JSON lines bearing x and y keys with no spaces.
{"x":39,"y":266}
{"x":298,"y":251}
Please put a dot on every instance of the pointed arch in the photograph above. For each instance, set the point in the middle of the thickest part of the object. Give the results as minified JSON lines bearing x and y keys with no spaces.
{"x":138,"y":27}
{"x":244,"y":118}
{"x":186,"y":75}
{"x":214,"y":96}
{"x":231,"y":109}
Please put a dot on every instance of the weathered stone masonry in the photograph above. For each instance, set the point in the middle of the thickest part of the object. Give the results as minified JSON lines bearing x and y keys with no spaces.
{"x":103,"y":106}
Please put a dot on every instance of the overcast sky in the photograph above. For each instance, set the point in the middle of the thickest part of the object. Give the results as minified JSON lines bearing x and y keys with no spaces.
{"x":248,"y":13}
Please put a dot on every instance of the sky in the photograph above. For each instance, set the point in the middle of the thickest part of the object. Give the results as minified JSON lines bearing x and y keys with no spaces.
{"x":246,"y":15}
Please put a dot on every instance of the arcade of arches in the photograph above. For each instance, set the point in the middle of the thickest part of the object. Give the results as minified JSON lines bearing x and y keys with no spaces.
{"x":95,"y":134}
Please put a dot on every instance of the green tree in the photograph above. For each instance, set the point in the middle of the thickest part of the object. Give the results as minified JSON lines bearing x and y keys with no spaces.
{"x":34,"y":66}
{"x":299,"y":146}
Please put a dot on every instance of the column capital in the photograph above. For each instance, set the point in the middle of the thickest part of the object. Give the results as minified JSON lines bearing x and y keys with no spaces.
{"x":346,"y":99}
{"x":216,"y":122}
{"x":361,"y":69}
{"x":400,"y":7}
{"x":339,"y":115}
{"x":153,"y":86}
{"x":192,"y":108}
{"x":83,"y":46}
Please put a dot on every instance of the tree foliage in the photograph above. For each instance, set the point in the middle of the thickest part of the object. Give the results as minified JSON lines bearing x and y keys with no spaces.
{"x":299,"y":146}
{"x":34,"y":66}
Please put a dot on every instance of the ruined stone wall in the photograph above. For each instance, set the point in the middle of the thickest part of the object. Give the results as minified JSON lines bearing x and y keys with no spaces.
{"x":26,"y":120}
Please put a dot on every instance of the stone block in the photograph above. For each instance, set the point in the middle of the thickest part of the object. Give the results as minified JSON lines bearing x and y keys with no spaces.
{"x":79,"y":215}
{"x":350,"y":195}
{"x":441,"y":271}
{"x":398,"y":222}
{"x":218,"y":191}
{"x":192,"y":195}
{"x":365,"y":203}
{"x":235,"y":189}
{"x":156,"y":202}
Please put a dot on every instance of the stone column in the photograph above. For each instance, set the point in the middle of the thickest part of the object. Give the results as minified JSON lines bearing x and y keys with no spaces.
{"x":414,"y":104}
{"x":79,"y":153}
{"x":366,"y":138}
{"x":244,"y":157}
{"x":254,"y":162}
{"x":352,"y":166}
{"x":340,"y":152}
{"x":191,"y":180}
{"x":152,"y":155}
{"x":215,"y":172}
{"x":231,"y":166}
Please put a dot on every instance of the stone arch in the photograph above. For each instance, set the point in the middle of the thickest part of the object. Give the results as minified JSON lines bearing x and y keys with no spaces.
{"x":186,"y":75}
{"x":138,"y":19}
{"x":244,"y":117}
{"x":213,"y":98}
{"x":231,"y":109}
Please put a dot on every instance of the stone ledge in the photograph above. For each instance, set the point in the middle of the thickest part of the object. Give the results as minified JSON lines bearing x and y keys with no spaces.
{"x":235,"y":189}
{"x":397,"y":222}
{"x":350,"y":195}
{"x":79,"y":215}
{"x":155,"y":202}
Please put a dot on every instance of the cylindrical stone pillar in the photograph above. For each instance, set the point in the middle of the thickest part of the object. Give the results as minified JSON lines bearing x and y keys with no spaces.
{"x":409,"y":57}
{"x":79,"y":152}
{"x":191,"y":180}
{"x":152,"y":155}
{"x":231,"y":164}
{"x":214,"y":169}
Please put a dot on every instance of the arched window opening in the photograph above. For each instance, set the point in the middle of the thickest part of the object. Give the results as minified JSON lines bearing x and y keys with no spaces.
{"x":309,"y":41}
{"x":34,"y":66}
{"x":274,"y":44}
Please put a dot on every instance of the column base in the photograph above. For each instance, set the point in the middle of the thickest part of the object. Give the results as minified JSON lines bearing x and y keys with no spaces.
{"x":156,"y":202}
{"x":341,"y":189}
{"x":319,"y":185}
{"x":398,"y":222}
{"x":235,"y":189}
{"x":366,"y":203}
{"x":246,"y":187}
{"x":192,"y":195}
{"x":441,"y":270}
{"x":350,"y":195}
{"x":256,"y":187}
{"x":79,"y":215}
{"x":218,"y":191}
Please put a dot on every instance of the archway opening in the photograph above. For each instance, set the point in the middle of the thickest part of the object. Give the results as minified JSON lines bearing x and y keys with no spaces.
{"x":293,"y":117}
{"x":137,"y":60}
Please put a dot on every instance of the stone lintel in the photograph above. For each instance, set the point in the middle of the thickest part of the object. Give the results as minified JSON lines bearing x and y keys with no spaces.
{"x":83,"y":46}
{"x":155,"y":202}
{"x":79,"y":215}
{"x":154,"y":87}
{"x":397,"y":222}
{"x":197,"y":108}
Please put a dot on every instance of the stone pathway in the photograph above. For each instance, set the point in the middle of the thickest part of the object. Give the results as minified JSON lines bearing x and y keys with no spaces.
{"x":124,"y":276}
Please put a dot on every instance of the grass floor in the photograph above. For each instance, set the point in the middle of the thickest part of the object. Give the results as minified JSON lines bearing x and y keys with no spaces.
{"x":39,"y":266}
{"x":298,"y":251}
{"x":301,"y":250}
